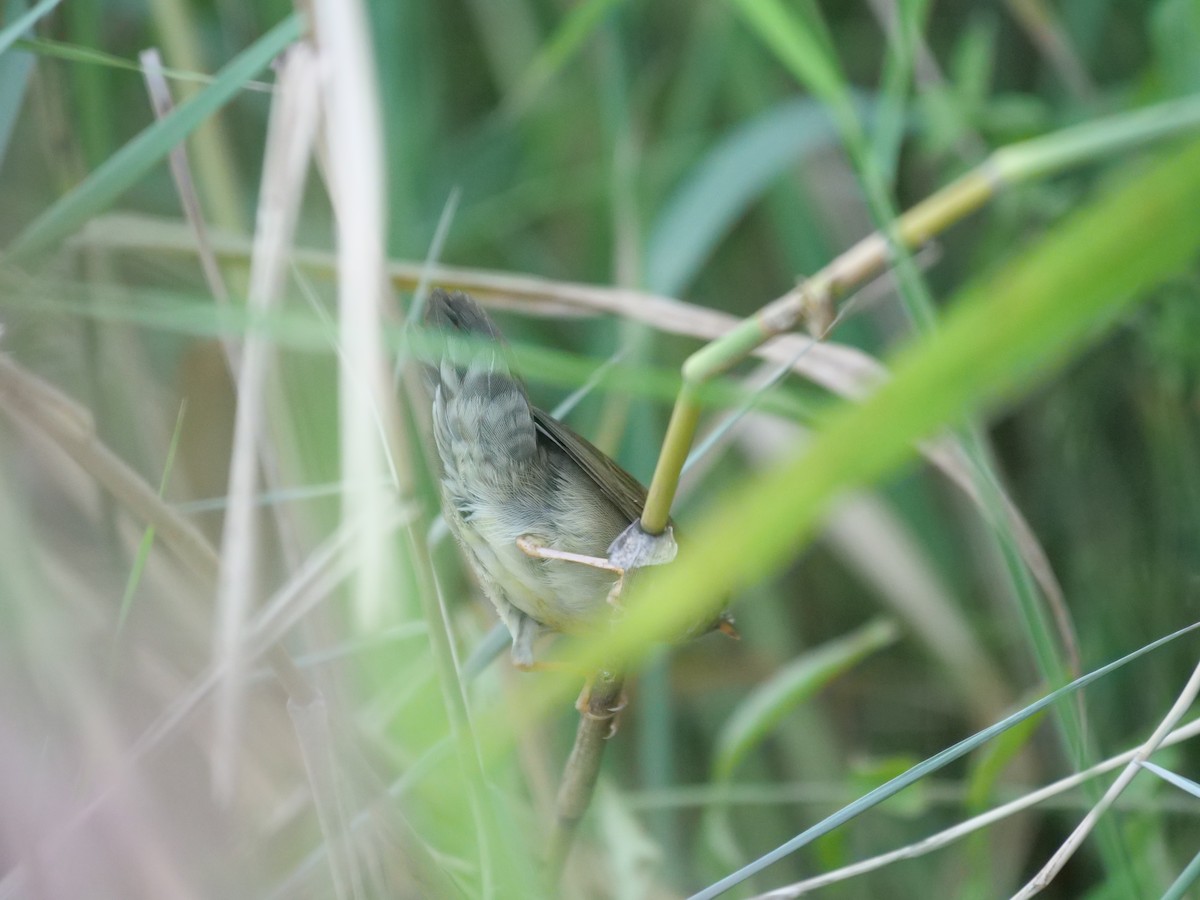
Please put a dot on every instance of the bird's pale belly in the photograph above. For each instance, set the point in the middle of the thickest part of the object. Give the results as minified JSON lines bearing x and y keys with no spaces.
{"x":563,"y":596}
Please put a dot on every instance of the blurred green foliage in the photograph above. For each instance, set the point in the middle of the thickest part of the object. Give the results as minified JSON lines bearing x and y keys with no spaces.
{"x":655,"y":146}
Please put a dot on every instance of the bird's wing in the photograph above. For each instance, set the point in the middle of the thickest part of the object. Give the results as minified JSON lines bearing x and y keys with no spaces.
{"x":621,"y":488}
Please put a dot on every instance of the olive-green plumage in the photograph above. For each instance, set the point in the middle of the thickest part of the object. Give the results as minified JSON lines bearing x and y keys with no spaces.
{"x":510,"y":471}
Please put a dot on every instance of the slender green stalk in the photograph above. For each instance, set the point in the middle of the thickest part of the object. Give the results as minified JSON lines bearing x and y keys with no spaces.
{"x":143,"y":553}
{"x":1006,"y":167}
{"x":74,"y":53}
{"x":680,"y":430}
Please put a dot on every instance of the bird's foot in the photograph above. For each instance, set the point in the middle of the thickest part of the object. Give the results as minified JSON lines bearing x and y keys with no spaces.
{"x":598,"y":712}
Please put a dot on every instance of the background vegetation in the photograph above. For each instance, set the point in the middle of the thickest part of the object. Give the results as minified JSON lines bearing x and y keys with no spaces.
{"x":686,"y":151}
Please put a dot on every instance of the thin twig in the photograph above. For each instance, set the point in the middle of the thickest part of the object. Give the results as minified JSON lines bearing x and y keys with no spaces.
{"x":1054,"y":865}
{"x":185,"y":184}
{"x":596,"y":723}
{"x":975,"y":823}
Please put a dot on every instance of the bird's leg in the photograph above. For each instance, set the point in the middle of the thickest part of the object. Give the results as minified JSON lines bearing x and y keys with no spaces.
{"x":524,"y":631}
{"x":530,"y":547}
{"x":604,"y":705}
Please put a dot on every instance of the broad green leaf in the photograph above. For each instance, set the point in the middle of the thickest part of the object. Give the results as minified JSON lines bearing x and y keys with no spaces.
{"x":758,"y":715}
{"x":761,"y":712}
{"x":724,"y":184}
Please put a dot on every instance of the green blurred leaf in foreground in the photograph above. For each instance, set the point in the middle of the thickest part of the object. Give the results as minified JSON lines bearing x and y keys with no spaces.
{"x":1005,"y":331}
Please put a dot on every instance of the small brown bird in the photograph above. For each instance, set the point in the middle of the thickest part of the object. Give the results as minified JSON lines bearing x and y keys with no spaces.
{"x":533,"y":505}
